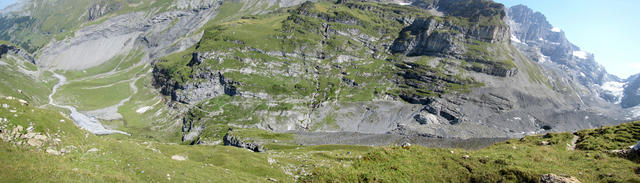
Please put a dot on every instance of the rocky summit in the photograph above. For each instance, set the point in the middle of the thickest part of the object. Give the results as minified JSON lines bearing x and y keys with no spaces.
{"x":305,"y":91}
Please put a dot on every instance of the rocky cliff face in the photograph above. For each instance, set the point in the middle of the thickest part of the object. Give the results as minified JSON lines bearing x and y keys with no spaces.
{"x":571,"y":71}
{"x":548,"y":45}
{"x":532,"y":28}
{"x":544,"y":43}
{"x":158,"y":34}
{"x":429,"y":70}
{"x":10,"y":49}
{"x":631,"y":95}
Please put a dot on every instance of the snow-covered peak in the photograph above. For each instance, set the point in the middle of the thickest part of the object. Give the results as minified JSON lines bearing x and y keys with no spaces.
{"x":556,"y":29}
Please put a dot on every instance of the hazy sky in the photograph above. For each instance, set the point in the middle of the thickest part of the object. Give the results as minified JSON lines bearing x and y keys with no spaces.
{"x":5,"y":3}
{"x":608,"y":29}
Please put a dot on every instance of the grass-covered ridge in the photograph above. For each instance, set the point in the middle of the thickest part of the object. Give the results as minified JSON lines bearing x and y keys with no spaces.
{"x":518,"y":160}
{"x":609,"y":137}
{"x":22,"y":79}
{"x":119,"y":158}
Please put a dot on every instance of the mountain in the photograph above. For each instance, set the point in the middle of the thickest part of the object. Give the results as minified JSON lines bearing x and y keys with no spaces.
{"x":399,"y":68}
{"x":450,"y":73}
{"x":548,"y":46}
{"x":157,"y":90}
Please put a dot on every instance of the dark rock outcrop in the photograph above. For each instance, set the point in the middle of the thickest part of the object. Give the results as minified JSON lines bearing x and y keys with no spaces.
{"x":230,"y":140}
{"x":97,"y":10}
{"x":4,"y":49}
{"x":209,"y":84}
{"x":430,"y":37}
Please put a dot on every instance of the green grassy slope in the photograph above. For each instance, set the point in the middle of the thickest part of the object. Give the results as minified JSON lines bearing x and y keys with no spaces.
{"x":518,"y":160}
{"x":123,"y":82}
{"x":16,"y":81}
{"x":123,"y":159}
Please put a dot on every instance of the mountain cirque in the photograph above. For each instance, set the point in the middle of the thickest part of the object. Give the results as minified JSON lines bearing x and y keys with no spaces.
{"x":305,"y":91}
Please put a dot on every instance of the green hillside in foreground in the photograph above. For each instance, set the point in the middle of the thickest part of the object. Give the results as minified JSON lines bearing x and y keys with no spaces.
{"x":40,"y":145}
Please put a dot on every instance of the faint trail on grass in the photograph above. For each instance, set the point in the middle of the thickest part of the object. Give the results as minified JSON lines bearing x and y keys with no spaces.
{"x":83,"y":121}
{"x":111,"y":112}
{"x":107,"y":86}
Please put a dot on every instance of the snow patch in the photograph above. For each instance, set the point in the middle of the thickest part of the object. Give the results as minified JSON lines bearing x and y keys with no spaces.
{"x":143,"y":109}
{"x":556,"y":29}
{"x":580,"y":54}
{"x":401,"y":2}
{"x":515,"y":39}
{"x":542,"y":58}
{"x":635,"y":112}
{"x":614,"y":88}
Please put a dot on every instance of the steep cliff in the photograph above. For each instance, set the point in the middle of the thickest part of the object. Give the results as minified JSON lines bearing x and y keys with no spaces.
{"x":570,"y":69}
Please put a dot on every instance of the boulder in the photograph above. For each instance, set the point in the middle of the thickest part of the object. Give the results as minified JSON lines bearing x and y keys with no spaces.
{"x":406,"y":145}
{"x":40,"y":137}
{"x":553,"y":178}
{"x":425,"y":118}
{"x":178,"y":157}
{"x":53,"y":152}
{"x":17,"y":131}
{"x":230,"y":140}
{"x":35,"y":142}
{"x":29,"y":135}
{"x":92,"y":150}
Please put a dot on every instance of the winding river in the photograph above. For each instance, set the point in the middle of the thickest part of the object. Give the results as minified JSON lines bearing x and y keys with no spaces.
{"x":83,"y":121}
